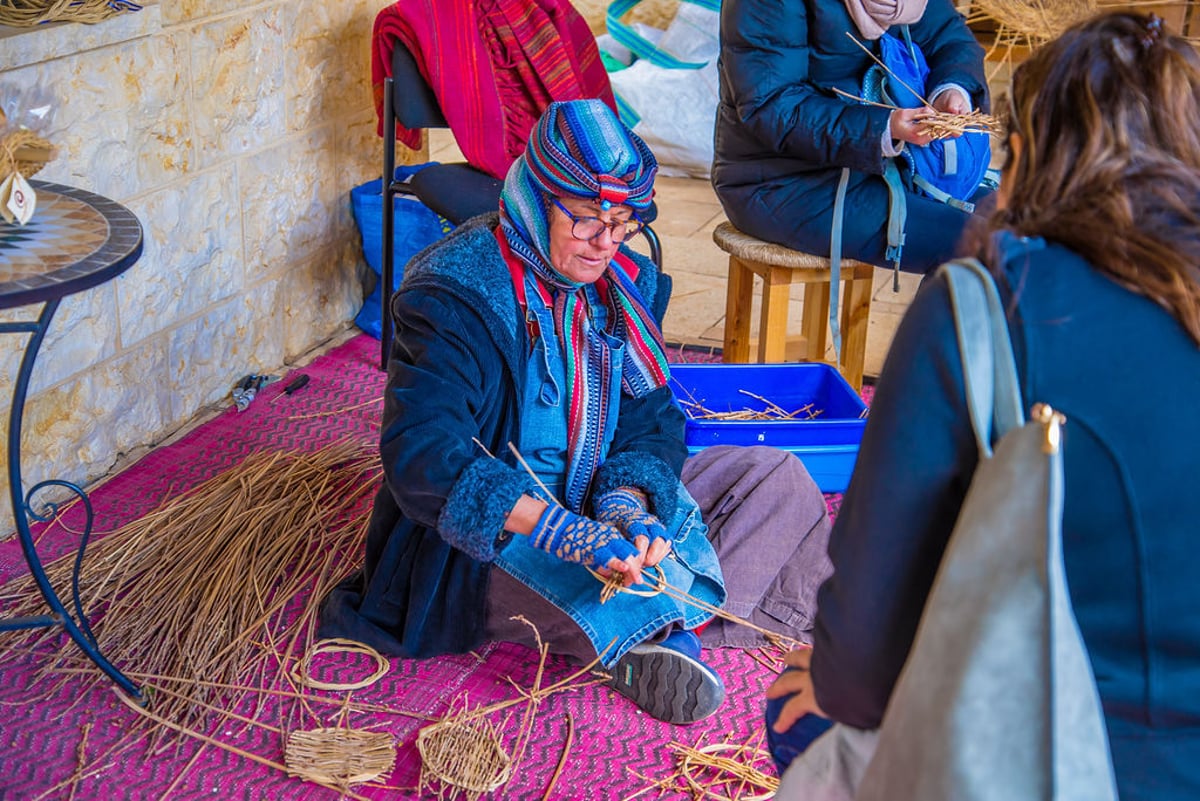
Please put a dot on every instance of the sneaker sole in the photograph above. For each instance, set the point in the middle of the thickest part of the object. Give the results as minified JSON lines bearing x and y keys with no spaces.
{"x":667,"y":684}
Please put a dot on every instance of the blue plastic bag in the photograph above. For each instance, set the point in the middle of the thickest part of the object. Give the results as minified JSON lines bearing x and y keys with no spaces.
{"x":416,"y":227}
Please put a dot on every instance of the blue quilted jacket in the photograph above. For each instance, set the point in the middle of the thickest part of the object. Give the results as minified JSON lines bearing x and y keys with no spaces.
{"x":778,"y":115}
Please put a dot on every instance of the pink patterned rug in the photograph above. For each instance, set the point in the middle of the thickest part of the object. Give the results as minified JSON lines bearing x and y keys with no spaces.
{"x":69,"y":738}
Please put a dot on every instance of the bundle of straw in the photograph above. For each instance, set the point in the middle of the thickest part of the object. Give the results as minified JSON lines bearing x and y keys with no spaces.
{"x":219,"y":586}
{"x":28,"y":13}
{"x":942,"y":125}
{"x":25,"y":152}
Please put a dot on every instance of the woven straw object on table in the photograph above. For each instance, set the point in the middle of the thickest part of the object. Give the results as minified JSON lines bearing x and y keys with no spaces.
{"x":25,"y":152}
{"x":27,"y":13}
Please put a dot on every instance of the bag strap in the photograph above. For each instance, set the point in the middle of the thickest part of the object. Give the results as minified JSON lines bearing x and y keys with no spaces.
{"x":989,"y":369}
{"x":642,"y":47}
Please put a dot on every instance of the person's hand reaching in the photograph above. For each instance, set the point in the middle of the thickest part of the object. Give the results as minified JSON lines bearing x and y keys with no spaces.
{"x":795,"y":681}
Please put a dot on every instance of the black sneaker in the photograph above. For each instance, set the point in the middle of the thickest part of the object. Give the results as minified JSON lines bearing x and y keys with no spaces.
{"x":668,"y":680}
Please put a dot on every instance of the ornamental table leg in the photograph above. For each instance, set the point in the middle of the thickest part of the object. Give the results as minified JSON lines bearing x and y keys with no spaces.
{"x":76,"y":626}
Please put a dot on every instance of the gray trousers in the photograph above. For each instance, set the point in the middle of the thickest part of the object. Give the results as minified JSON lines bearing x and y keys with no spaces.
{"x":767,"y":522}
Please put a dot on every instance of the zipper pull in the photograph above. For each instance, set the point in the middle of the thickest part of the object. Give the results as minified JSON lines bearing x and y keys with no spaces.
{"x":1053,"y":422}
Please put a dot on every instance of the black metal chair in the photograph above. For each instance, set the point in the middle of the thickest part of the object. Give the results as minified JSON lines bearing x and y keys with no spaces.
{"x":456,"y":191}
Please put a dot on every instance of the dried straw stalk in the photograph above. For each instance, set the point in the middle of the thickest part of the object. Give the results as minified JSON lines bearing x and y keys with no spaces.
{"x":192,"y":590}
{"x":696,"y":410}
{"x":705,"y":768}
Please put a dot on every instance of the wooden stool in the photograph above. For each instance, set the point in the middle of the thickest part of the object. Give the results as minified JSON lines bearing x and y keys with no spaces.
{"x":780,"y":267}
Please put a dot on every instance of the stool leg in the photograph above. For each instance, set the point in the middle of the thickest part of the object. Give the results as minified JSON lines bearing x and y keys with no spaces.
{"x":814,"y":324}
{"x":739,"y":296}
{"x":856,"y":313}
{"x":772,"y":330}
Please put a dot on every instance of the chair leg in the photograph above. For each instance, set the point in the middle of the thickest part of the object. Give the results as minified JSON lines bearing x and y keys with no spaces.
{"x":814,"y":322}
{"x":856,"y":313}
{"x":772,"y":330}
{"x":739,"y":296}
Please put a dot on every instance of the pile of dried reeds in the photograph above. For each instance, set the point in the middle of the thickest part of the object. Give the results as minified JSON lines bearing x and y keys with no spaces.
{"x":1031,"y":22}
{"x":1021,"y":26}
{"x":941,"y":125}
{"x":696,"y":410}
{"x":193,"y":595}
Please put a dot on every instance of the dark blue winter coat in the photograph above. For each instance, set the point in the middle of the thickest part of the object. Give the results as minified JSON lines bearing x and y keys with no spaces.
{"x":456,"y":372}
{"x":783,"y":135}
{"x":1125,"y":373}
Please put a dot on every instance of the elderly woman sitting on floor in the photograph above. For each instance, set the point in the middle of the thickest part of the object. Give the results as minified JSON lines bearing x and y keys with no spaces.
{"x":535,"y":328}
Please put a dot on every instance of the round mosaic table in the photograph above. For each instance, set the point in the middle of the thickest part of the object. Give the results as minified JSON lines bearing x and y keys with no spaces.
{"x":75,"y":240}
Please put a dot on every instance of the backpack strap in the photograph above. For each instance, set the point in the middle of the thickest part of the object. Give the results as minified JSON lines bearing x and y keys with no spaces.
{"x":989,"y":369}
{"x":835,"y":262}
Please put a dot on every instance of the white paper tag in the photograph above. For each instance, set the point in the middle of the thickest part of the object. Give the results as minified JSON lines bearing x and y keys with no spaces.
{"x":5,"y":191}
{"x":21,"y":200}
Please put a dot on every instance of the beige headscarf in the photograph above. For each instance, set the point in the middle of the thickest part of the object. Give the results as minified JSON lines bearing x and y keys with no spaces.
{"x":874,"y":17}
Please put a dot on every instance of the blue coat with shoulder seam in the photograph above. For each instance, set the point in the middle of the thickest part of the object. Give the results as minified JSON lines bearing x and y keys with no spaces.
{"x":456,"y":372}
{"x":1124,"y":372}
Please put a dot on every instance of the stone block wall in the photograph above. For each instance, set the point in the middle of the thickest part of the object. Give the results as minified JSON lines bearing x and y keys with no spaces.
{"x":234,"y":131}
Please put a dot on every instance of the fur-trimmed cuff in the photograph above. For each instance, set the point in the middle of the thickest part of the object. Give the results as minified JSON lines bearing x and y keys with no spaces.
{"x":649,"y":474}
{"x":473,"y":518}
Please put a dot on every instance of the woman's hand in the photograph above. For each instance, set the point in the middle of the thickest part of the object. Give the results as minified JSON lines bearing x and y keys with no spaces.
{"x":905,"y":124}
{"x":952,"y":101}
{"x":575,"y":538}
{"x":798,"y":684}
{"x":625,"y":508}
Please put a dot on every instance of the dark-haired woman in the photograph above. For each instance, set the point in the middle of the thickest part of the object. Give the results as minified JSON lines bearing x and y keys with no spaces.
{"x":1096,"y":248}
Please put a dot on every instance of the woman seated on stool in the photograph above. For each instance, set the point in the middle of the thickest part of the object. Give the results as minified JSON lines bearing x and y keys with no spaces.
{"x":1096,"y":249}
{"x":534,"y":328}
{"x":784,"y":134}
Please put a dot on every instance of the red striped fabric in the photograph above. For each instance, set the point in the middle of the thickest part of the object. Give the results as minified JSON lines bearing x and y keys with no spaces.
{"x":494,"y":66}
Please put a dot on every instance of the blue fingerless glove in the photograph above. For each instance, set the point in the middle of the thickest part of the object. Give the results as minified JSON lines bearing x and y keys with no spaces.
{"x":575,"y":538}
{"x":625,"y":508}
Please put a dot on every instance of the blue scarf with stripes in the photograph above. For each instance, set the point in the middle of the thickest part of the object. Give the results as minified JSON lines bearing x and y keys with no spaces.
{"x":579,"y":148}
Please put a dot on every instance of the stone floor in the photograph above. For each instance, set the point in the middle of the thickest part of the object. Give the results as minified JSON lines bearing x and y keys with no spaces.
{"x":688,"y":212}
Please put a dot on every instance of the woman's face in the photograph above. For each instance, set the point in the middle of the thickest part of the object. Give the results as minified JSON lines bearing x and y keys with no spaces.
{"x":583,"y":261}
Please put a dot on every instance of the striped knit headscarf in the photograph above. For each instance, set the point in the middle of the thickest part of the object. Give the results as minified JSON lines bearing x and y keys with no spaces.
{"x":579,"y":148}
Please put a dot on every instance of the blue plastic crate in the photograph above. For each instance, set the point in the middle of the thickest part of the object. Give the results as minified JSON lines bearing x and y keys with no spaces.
{"x":827,"y":443}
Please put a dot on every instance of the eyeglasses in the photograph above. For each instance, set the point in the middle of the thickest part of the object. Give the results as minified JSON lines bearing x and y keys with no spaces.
{"x":586,"y":229}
